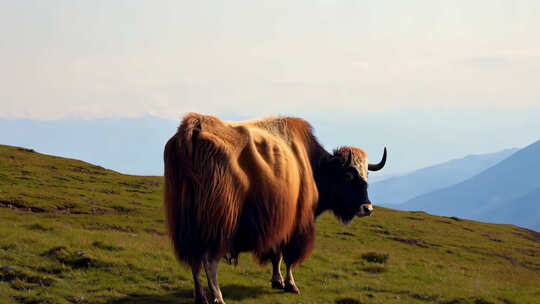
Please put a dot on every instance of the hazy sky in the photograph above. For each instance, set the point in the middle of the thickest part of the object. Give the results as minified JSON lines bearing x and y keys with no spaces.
{"x":128,"y":58}
{"x":433,"y":80}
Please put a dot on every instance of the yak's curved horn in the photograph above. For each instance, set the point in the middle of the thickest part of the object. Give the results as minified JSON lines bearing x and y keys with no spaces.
{"x":380,"y":165}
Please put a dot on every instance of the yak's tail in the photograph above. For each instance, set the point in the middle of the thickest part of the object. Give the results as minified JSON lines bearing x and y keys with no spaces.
{"x":179,"y":194}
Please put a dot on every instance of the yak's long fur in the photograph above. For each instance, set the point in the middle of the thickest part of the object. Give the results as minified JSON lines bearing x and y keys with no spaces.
{"x":232,"y":187}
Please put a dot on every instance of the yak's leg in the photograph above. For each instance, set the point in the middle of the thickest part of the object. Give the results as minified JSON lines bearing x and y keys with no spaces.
{"x":277,"y":279}
{"x":290,"y":286}
{"x":295,"y":251}
{"x":198,"y":293}
{"x":211,"y":268}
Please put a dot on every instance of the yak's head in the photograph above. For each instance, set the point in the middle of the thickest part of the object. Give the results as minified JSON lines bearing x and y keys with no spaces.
{"x":346,"y":182}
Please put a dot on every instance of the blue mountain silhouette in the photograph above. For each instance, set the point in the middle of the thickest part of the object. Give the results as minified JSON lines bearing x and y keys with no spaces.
{"x":507,"y":192}
{"x":400,"y":189}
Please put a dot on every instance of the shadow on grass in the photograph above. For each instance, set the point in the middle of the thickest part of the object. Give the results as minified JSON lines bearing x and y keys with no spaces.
{"x":347,"y":301}
{"x":183,"y":296}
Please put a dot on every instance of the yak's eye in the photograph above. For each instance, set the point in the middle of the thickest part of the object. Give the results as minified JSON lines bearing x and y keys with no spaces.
{"x":349,"y":176}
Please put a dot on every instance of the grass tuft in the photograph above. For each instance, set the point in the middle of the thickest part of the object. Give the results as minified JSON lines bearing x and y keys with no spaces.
{"x":40,"y":227}
{"x":75,"y":260}
{"x":374,"y":269}
{"x":375,"y":257}
{"x":20,"y":280}
{"x":103,"y":246}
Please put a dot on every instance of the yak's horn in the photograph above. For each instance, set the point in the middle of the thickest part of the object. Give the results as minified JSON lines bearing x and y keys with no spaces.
{"x":380,"y":165}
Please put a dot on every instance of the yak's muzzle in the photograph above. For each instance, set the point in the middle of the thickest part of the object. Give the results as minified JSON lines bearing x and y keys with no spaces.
{"x":365,"y":210}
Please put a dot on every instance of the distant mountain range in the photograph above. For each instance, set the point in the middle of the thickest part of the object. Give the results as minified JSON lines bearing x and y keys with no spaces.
{"x":399,"y":189}
{"x":524,"y":211}
{"x":415,"y":138}
{"x":508,"y":192}
{"x":128,"y":145}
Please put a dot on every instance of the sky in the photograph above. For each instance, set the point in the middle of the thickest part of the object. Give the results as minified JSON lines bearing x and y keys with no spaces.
{"x":428,"y":67}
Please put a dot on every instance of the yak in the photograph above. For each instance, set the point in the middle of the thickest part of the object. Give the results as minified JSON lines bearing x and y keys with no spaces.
{"x":256,"y":186}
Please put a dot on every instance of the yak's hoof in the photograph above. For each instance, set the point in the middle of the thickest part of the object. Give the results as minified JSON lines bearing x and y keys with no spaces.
{"x":201,"y":300}
{"x":218,"y":301}
{"x":291,"y":287}
{"x":278,"y":285}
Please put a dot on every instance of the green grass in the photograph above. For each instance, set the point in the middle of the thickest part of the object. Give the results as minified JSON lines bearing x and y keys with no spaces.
{"x":72,"y":232}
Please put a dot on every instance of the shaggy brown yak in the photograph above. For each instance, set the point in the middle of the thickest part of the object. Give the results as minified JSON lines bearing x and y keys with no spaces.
{"x":255,"y":186}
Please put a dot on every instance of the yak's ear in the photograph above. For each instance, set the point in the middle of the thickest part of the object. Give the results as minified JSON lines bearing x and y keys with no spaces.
{"x":332,"y":163}
{"x":348,"y":160}
{"x":340,"y":160}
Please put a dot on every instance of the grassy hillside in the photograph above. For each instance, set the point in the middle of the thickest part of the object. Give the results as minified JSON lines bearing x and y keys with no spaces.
{"x":72,"y":232}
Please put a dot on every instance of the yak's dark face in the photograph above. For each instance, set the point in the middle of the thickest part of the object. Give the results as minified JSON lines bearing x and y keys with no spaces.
{"x":346,"y":185}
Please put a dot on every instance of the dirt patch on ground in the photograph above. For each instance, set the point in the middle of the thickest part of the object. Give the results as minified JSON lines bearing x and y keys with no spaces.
{"x":345,"y":233}
{"x":491,"y":238}
{"x":150,"y":183}
{"x":412,"y":242}
{"x":123,"y":209}
{"x":16,"y":204}
{"x":155,"y":232}
{"x":381,"y":231}
{"x":109,"y":191}
{"x":98,"y":226}
{"x":131,"y":185}
{"x":535,"y":236}
{"x":510,"y":259}
{"x":414,"y":218}
{"x":66,"y":209}
{"x":528,"y":251}
{"x":86,"y":170}
{"x":527,"y":234}
{"x":467,"y":301}
{"x":531,"y":266}
{"x":61,"y":178}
